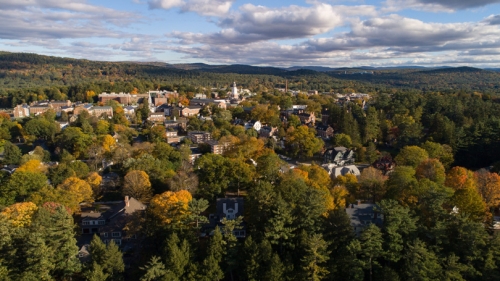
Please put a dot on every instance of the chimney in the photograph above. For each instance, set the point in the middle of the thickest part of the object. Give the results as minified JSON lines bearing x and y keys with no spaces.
{"x":127,"y":202}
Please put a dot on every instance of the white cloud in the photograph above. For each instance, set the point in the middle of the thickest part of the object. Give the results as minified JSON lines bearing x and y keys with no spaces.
{"x":214,"y":8}
{"x":437,"y":5}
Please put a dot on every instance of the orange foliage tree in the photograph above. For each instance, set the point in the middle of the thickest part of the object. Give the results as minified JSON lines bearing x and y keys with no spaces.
{"x":460,"y":178}
{"x":33,"y":165}
{"x":488,"y":186}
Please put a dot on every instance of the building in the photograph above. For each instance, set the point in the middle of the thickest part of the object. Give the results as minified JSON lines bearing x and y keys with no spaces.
{"x":190,"y":111}
{"x":172,"y":136}
{"x":325,"y":116}
{"x":362,"y":215}
{"x":21,"y":111}
{"x":199,"y":136}
{"x":334,"y":171}
{"x":324,"y":131}
{"x":156,"y":117}
{"x":123,"y":98}
{"x":267,"y":131}
{"x":108,"y":220}
{"x":256,"y":125}
{"x":217,"y":147}
{"x":100,"y":111}
{"x":307,"y":118}
{"x":234,"y":92}
{"x":338,"y":156}
{"x":230,"y":209}
{"x":195,"y":154}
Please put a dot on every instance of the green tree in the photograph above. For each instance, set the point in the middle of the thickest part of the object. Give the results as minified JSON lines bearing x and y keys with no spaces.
{"x":96,"y":273}
{"x":211,"y":266}
{"x":317,"y":255}
{"x":411,"y":156}
{"x":342,"y":140}
{"x":371,"y":247}
{"x":210,"y":169}
{"x":420,"y":263}
{"x":302,"y":141}
{"x":11,"y":154}
{"x":155,"y":270}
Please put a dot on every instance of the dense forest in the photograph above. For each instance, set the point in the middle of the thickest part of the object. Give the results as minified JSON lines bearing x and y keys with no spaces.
{"x":438,"y":205}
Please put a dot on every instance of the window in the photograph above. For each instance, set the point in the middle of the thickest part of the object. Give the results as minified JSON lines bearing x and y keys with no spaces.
{"x":117,"y":241}
{"x":105,"y":234}
{"x":116,"y":234}
{"x":101,"y":222}
{"x":85,"y":223}
{"x":81,"y":255}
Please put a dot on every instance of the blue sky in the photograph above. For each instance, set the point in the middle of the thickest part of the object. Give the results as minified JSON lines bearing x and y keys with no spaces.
{"x":331,"y":33}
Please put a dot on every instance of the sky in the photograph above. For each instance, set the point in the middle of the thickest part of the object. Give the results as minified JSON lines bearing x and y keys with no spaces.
{"x":332,"y":33}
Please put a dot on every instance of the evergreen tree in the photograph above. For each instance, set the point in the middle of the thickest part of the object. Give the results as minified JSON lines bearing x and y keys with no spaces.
{"x":177,"y":256}
{"x":96,"y":273}
{"x":315,"y":258}
{"x":155,"y":270}
{"x":211,"y":266}
{"x":38,"y":259}
{"x":371,"y":247}
{"x":420,"y":263}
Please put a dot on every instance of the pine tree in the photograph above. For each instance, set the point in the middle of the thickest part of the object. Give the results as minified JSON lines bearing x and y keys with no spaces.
{"x":275,"y":270}
{"x":38,"y":258}
{"x":371,"y":247}
{"x":113,"y":261}
{"x":96,"y":273}
{"x":155,"y":270}
{"x":420,"y":263}
{"x":315,"y":258}
{"x":211,"y":266}
{"x":60,"y":237}
{"x":177,"y":256}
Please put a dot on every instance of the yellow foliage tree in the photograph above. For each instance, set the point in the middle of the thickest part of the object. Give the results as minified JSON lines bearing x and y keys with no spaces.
{"x":77,"y":187}
{"x":56,"y":195}
{"x":339,"y":195}
{"x":94,"y":180}
{"x":137,"y":185}
{"x":317,"y":177}
{"x":33,"y":165}
{"x":20,"y":214}
{"x":170,"y":206}
{"x":108,"y":143}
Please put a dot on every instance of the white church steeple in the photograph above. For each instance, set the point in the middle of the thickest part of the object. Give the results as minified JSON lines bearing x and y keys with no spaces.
{"x":235,"y":91}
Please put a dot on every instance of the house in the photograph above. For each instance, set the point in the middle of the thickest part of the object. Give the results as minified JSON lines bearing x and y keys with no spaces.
{"x":229,"y":208}
{"x":253,"y":124}
{"x":190,"y":111}
{"x":108,"y":220}
{"x":334,"y":171}
{"x":307,"y":118}
{"x":195,"y":154}
{"x":84,"y":253}
{"x":362,"y":215}
{"x":199,"y":136}
{"x":267,"y":131}
{"x":324,"y":131}
{"x":129,"y":110}
{"x":339,"y":156}
{"x":176,"y":124}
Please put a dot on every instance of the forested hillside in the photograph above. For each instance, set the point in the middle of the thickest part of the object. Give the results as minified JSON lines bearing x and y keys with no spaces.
{"x":31,"y":77}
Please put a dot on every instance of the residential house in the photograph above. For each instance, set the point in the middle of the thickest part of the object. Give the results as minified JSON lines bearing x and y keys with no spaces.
{"x":334,"y":171}
{"x":229,"y":208}
{"x":253,"y":124}
{"x":190,"y":111}
{"x":339,"y":156}
{"x":324,"y":131}
{"x":307,"y":118}
{"x":195,"y":154}
{"x":267,"y":131}
{"x":362,"y":215}
{"x":172,"y":136}
{"x":100,"y":111}
{"x":108,"y":220}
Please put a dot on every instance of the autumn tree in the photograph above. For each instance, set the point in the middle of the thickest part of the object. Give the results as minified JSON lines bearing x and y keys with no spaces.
{"x":488,"y":186}
{"x":372,"y":184}
{"x":170,"y":207}
{"x":460,"y":178}
{"x":78,"y":188}
{"x":302,"y":141}
{"x":431,"y":169}
{"x":411,"y":156}
{"x":94,"y":180}
{"x":136,"y":184}
{"x":19,"y":214}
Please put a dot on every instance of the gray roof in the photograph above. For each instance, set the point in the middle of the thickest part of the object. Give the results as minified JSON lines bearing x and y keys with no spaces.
{"x":363,"y":214}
